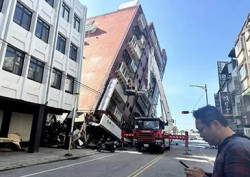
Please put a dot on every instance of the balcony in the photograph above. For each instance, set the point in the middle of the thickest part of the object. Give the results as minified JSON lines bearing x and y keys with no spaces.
{"x":134,"y":47}
{"x":123,"y":73}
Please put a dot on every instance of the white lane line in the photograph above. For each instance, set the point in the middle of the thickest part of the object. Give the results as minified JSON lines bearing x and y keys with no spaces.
{"x":211,"y":163}
{"x":66,"y":166}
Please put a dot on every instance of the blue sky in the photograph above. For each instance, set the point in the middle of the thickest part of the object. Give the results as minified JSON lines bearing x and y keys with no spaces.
{"x":195,"y":34}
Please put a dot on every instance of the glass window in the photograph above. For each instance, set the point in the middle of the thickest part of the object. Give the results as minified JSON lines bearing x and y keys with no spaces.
{"x":1,"y":5}
{"x":56,"y":78}
{"x":73,"y":52}
{"x":243,"y":71}
{"x":35,"y":70}
{"x":22,"y":16}
{"x":76,"y":23}
{"x":127,"y":57}
{"x":61,"y":43}
{"x":137,"y":32}
{"x":65,"y":11}
{"x":69,"y":86}
{"x":50,"y":2}
{"x":13,"y":61}
{"x":42,"y":30}
{"x":238,"y":47}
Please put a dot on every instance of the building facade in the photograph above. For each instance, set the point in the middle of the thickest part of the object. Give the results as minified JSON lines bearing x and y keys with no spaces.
{"x":40,"y":63}
{"x":242,"y":53}
{"x":233,"y":97}
{"x":117,"y":47}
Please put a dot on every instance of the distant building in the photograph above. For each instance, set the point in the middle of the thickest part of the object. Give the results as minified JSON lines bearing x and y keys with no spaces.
{"x":116,"y":51}
{"x":242,"y":53}
{"x":228,"y":99}
{"x":40,"y":63}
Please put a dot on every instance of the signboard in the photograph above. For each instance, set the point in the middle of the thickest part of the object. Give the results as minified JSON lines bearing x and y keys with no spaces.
{"x":107,"y":95}
{"x":222,"y":76}
{"x":109,"y":125}
{"x":226,"y":104}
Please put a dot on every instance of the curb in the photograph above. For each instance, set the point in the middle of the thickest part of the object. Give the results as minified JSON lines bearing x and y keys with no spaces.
{"x":21,"y":165}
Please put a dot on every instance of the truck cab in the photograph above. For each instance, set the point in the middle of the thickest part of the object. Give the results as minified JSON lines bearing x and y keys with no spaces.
{"x":149,"y":133}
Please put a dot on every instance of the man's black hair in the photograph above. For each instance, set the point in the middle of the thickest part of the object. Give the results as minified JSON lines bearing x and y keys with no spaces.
{"x":209,"y":113}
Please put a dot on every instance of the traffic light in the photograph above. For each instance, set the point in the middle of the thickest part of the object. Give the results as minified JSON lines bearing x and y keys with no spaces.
{"x":185,"y":112}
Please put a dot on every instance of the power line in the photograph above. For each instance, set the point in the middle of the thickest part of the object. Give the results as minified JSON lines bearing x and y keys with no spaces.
{"x":199,"y":100}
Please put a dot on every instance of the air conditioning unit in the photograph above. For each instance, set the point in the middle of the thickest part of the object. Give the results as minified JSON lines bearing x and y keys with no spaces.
{"x":118,"y":114}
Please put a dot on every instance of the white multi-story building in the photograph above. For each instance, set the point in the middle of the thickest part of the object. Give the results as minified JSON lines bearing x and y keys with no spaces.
{"x":242,"y":53}
{"x":41,"y":52}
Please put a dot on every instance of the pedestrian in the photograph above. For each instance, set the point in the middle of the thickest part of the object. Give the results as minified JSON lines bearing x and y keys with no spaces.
{"x":233,"y":157}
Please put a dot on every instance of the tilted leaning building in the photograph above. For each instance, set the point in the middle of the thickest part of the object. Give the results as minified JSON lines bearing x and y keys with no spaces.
{"x":116,"y":52}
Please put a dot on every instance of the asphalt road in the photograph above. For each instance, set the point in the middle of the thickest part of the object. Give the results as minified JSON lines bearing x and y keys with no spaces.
{"x":126,"y":163}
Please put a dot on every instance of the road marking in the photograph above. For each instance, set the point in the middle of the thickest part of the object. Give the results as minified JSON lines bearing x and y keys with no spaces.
{"x":211,"y":163}
{"x":66,"y":166}
{"x":145,"y":167}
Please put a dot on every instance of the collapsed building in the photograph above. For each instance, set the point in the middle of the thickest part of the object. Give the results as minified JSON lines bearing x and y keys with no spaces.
{"x":116,"y":52}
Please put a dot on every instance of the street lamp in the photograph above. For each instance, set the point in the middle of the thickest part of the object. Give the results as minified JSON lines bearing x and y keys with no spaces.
{"x":202,"y":87}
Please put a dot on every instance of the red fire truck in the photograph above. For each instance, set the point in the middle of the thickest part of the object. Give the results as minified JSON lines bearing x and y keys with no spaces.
{"x":149,"y":133}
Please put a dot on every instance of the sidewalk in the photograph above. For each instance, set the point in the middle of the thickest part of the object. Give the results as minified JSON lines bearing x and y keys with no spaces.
{"x":17,"y":159}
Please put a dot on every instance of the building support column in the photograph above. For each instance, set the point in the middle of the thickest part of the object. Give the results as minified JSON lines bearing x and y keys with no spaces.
{"x":36,"y":129}
{"x":6,"y":122}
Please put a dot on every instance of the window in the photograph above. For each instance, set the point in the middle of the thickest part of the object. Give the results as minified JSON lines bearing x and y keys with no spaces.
{"x":35,"y":70}
{"x":42,"y":30}
{"x":73,"y":52}
{"x":56,"y":78}
{"x":61,"y":43}
{"x":137,"y":32}
{"x":13,"y":61}
{"x":22,"y":16}
{"x":127,"y":57}
{"x":50,"y":2}
{"x":1,"y":5}
{"x":243,"y":71}
{"x":238,"y":47}
{"x":76,"y":23}
{"x":65,"y":12}
{"x":69,"y":86}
